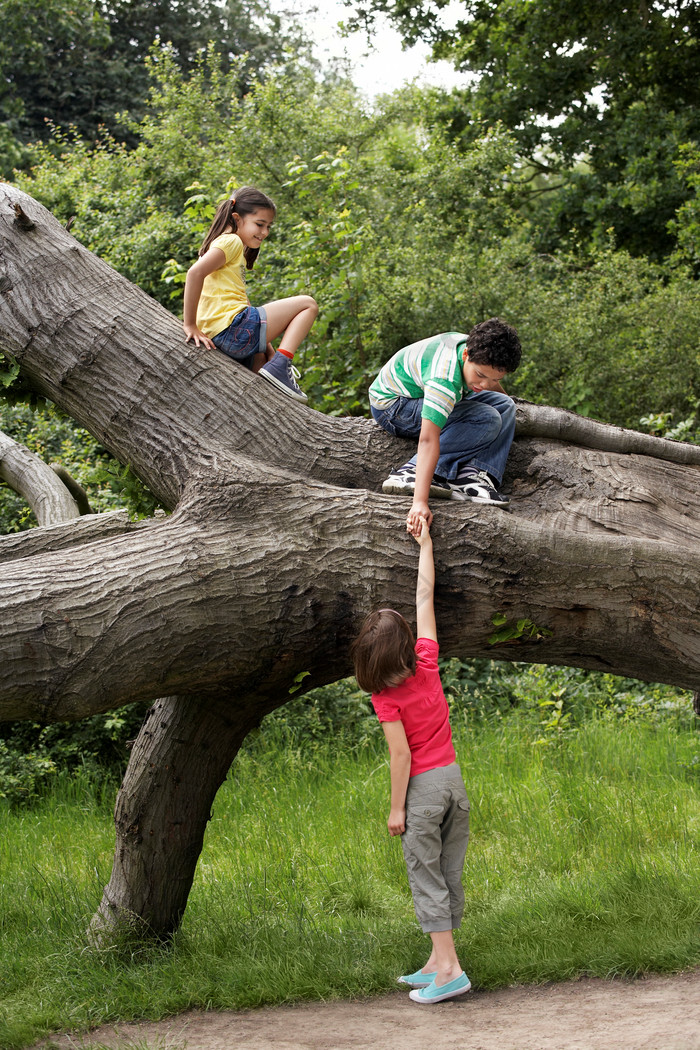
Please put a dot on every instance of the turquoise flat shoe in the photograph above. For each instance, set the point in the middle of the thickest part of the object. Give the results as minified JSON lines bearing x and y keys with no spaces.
{"x":437,"y":993}
{"x":417,"y":979}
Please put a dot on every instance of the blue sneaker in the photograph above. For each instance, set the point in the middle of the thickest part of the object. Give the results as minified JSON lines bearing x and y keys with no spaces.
{"x":417,"y":979}
{"x":437,"y":993}
{"x":284,"y":375}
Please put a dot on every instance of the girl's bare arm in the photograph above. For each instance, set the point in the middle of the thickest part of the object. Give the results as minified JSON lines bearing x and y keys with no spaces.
{"x":400,"y":766}
{"x":212,"y":260}
{"x":425,"y":586}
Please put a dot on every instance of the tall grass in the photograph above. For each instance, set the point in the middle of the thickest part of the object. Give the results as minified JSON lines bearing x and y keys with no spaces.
{"x":584,"y":859}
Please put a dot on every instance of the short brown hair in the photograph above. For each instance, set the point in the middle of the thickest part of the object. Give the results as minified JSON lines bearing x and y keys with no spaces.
{"x":494,"y":343}
{"x":384,"y":651}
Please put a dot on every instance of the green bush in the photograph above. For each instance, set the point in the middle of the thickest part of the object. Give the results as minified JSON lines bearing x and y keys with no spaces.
{"x":478,"y":691}
{"x":33,"y":755}
{"x":23,"y":774}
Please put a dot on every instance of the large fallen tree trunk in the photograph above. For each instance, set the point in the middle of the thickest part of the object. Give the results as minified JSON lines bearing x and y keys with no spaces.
{"x":280,"y":541}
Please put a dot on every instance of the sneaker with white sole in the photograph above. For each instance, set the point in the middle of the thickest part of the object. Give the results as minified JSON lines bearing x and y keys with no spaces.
{"x":281,"y":372}
{"x":403,"y":482}
{"x":478,"y":488}
{"x":438,"y":993}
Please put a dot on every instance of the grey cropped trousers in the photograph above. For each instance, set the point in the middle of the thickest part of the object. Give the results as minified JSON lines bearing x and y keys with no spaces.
{"x":435,"y":844}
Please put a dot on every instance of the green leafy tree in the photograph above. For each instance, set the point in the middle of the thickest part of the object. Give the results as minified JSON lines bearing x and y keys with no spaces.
{"x":51,"y":66}
{"x":686,"y":225}
{"x":618,"y":84}
{"x":81,"y":64}
{"x":245,"y":33}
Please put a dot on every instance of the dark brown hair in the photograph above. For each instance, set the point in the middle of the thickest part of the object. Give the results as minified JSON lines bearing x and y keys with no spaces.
{"x":494,"y":343}
{"x":243,"y":202}
{"x":384,"y":651}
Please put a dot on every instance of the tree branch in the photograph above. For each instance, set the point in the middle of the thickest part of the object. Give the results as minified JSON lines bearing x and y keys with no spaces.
{"x":35,"y":481}
{"x":74,"y":487}
{"x":544,"y":421}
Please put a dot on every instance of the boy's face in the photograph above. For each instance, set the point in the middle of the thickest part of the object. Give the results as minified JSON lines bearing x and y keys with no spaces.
{"x":480,"y":377}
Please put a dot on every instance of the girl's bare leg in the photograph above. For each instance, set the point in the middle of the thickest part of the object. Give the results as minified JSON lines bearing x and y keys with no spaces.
{"x":443,"y":958}
{"x":262,"y":357}
{"x":293,"y":317}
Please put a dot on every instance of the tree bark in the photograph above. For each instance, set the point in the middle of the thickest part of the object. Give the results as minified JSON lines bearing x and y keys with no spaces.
{"x":279,"y":542}
{"x":178,"y":763}
{"x":169,"y":791}
{"x":44,"y":491}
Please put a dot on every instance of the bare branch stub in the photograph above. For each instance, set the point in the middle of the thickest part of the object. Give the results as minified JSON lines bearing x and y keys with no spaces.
{"x":22,"y":219}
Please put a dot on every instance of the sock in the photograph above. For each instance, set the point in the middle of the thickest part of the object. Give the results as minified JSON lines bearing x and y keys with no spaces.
{"x":465,"y":473}
{"x":287,"y":353}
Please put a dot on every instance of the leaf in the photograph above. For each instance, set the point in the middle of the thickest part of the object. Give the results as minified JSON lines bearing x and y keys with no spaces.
{"x":8,"y":376}
{"x":298,"y":679}
{"x":506,"y":634}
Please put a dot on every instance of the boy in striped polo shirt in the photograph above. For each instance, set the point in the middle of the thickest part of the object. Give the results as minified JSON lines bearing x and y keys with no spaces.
{"x":446,"y":392}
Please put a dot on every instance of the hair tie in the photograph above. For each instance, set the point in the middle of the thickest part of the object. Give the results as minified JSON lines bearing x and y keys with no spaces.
{"x":233,"y":201}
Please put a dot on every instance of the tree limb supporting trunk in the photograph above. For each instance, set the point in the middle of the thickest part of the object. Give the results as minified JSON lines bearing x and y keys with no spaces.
{"x":558,"y":424}
{"x":179,"y":760}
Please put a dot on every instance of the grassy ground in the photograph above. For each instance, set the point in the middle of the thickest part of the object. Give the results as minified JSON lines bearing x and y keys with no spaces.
{"x":584,"y":859}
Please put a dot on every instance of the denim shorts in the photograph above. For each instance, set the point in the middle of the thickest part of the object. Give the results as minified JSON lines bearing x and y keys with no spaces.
{"x":245,"y":336}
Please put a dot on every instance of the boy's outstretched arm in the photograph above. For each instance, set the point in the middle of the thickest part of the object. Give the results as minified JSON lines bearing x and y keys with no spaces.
{"x":425,"y":586}
{"x":427,"y":457}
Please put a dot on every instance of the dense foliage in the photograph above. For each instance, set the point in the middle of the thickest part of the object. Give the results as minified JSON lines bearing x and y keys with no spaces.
{"x":601,"y":98}
{"x":81,"y":63}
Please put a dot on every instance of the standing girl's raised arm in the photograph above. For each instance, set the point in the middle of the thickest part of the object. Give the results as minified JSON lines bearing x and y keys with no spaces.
{"x":425,"y":586}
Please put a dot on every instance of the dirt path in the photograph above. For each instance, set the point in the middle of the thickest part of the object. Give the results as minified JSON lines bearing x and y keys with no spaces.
{"x":655,"y":1013}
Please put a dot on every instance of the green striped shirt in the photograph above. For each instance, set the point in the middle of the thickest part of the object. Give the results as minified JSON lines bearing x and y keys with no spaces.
{"x":431,"y":369}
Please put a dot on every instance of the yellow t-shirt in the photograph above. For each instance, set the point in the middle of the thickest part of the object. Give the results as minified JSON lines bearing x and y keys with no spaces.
{"x":223,"y":292}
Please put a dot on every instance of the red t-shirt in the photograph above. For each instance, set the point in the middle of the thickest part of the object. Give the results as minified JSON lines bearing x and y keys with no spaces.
{"x":420,"y":704}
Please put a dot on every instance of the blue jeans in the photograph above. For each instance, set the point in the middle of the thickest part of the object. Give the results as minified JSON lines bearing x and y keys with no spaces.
{"x":478,"y":433}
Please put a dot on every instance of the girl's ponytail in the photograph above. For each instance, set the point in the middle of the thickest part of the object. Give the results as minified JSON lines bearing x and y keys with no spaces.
{"x":223,"y":217}
{"x":242,"y":202}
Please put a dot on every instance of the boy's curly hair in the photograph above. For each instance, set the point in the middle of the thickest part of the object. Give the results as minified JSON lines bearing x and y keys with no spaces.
{"x":384,"y":651}
{"x":494,"y":343}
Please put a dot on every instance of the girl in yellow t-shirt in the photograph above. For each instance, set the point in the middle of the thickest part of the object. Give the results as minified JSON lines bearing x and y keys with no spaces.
{"x":217,"y":311}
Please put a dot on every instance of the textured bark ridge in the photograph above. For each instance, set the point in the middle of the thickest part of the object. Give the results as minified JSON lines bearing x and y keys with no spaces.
{"x":280,"y":540}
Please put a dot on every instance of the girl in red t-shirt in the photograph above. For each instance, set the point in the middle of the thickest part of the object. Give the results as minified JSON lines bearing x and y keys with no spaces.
{"x":429,"y":804}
